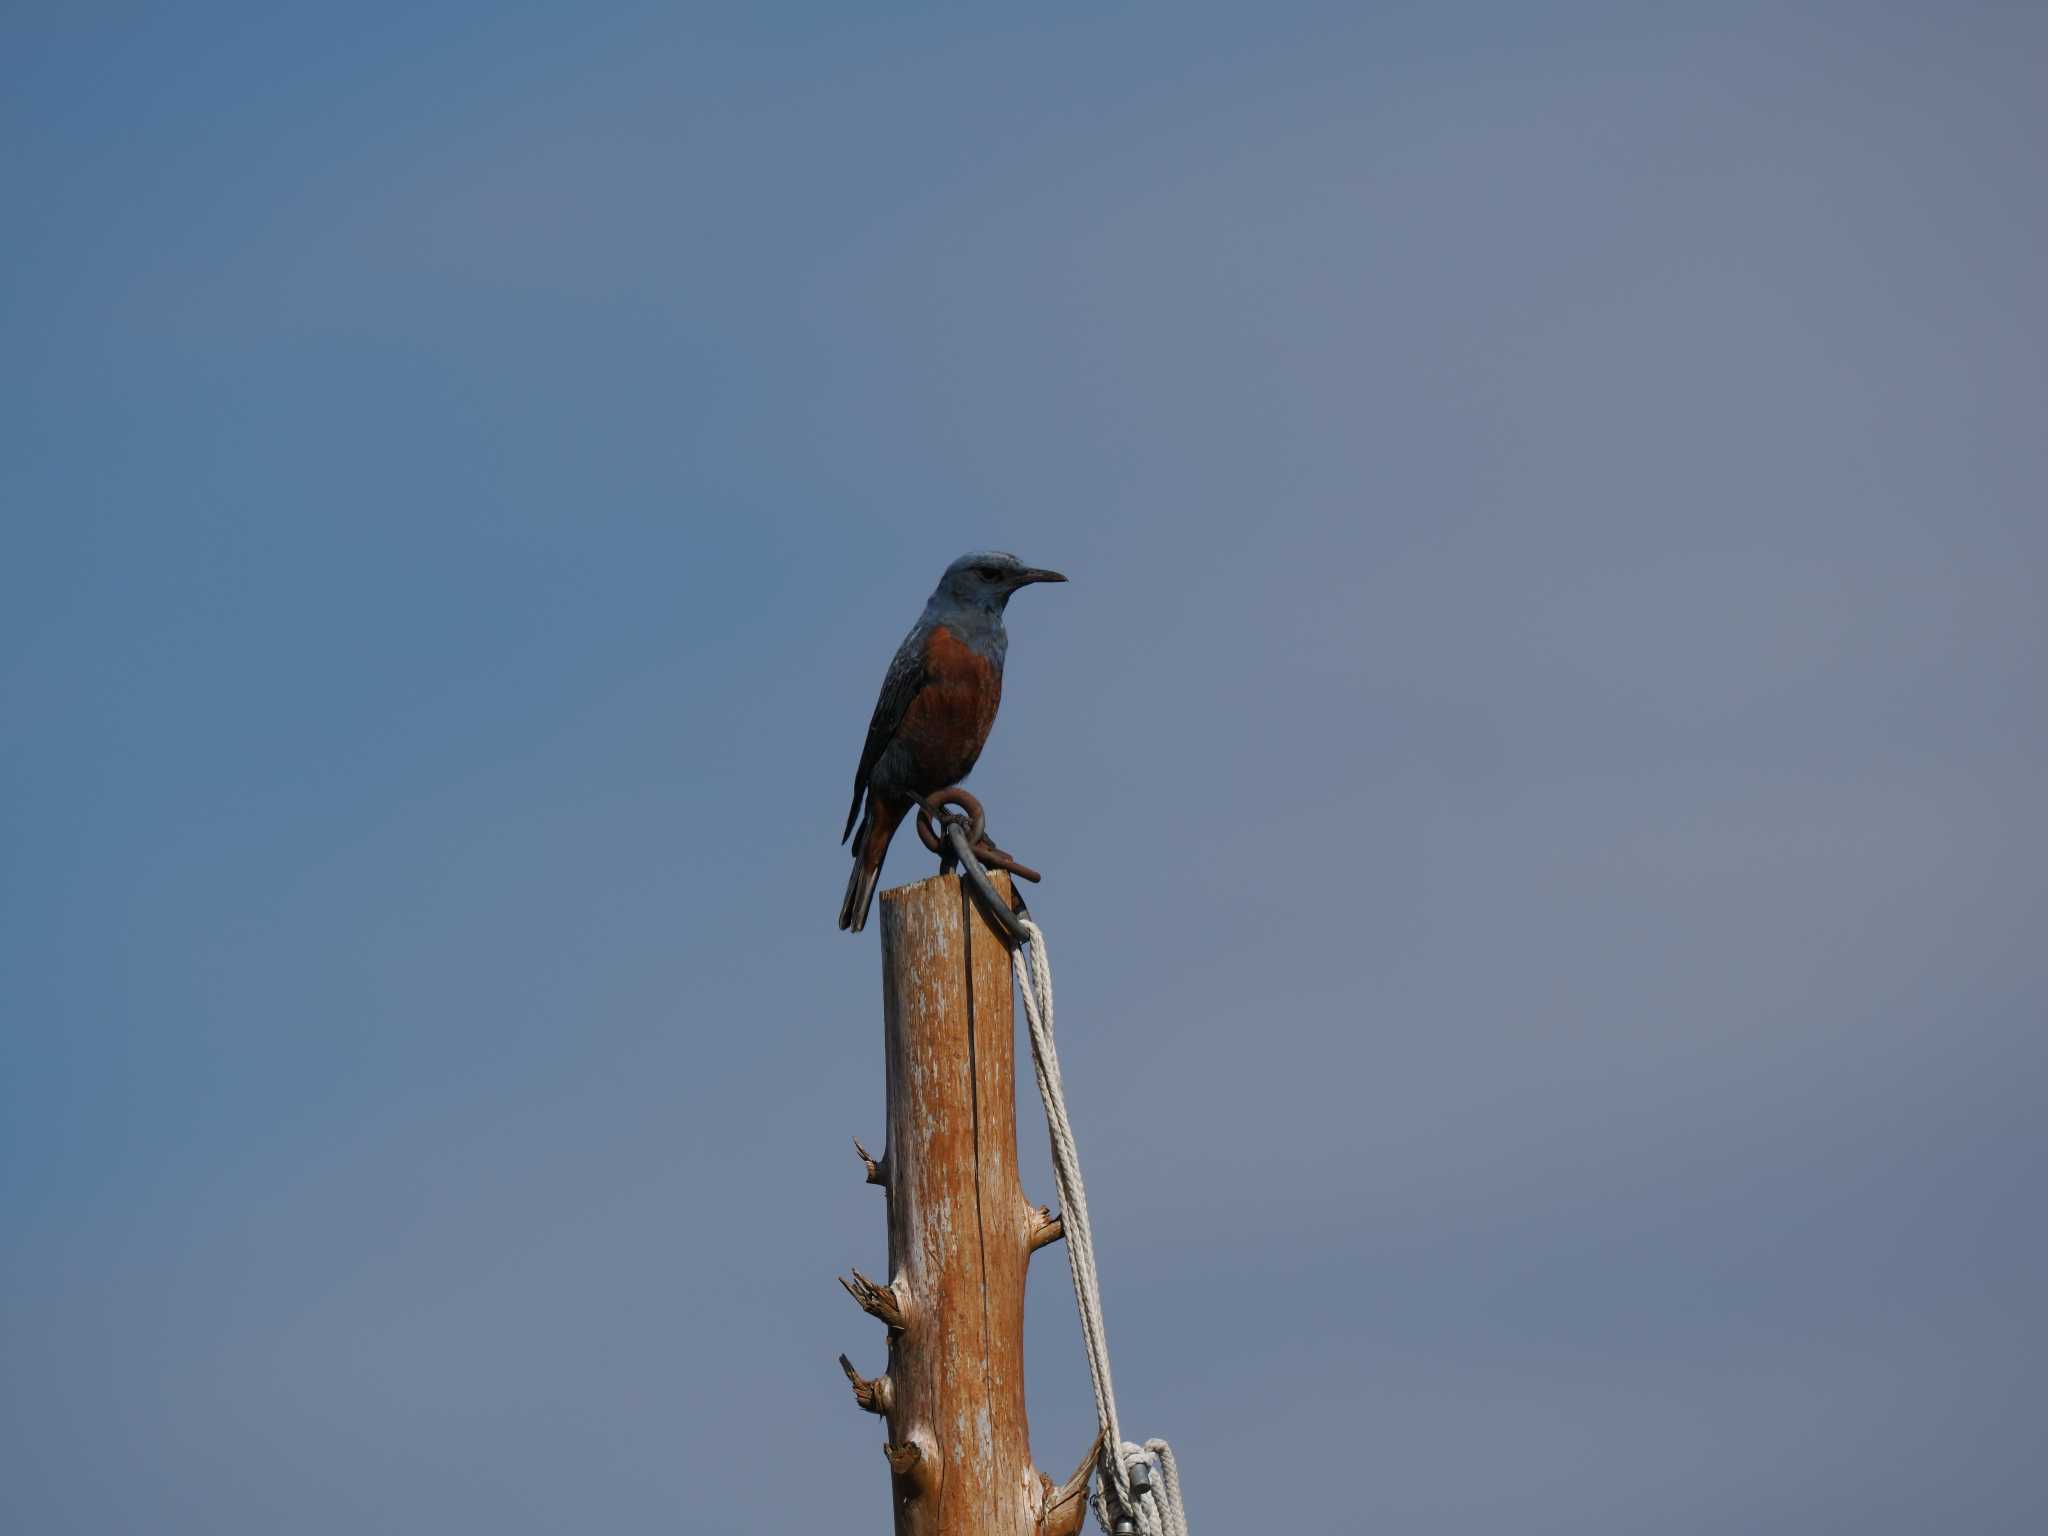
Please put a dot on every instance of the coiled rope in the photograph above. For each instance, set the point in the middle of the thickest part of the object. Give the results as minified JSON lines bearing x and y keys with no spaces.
{"x":1140,"y":1484}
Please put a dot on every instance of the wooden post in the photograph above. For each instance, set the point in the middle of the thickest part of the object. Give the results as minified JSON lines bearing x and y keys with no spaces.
{"x":961,"y":1233}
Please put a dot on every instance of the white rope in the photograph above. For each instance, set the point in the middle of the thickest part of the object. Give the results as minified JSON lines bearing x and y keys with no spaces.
{"x":1157,"y":1510}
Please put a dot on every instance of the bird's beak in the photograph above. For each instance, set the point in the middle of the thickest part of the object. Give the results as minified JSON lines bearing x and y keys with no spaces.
{"x":1026,"y":577}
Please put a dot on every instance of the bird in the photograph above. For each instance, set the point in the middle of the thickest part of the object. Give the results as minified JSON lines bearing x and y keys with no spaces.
{"x":938,"y":701}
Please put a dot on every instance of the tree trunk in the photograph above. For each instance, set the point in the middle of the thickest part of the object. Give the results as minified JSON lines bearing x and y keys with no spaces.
{"x":961,"y":1233}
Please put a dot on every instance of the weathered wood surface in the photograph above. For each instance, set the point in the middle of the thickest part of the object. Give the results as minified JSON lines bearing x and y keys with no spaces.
{"x":961,"y":1232}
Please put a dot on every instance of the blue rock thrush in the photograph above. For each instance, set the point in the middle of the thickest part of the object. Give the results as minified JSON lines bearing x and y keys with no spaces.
{"x":938,"y":701}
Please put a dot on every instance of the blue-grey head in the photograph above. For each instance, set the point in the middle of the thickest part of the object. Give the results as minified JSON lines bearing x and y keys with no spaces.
{"x":986,"y":580}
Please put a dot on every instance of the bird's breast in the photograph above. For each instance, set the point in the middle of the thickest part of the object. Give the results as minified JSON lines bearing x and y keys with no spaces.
{"x":946,"y":724}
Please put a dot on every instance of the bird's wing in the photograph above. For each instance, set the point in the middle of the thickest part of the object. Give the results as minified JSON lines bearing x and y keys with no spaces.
{"x":899,"y":686}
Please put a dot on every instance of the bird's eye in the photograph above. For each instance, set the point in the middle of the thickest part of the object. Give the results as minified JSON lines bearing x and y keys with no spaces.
{"x":989,"y":572}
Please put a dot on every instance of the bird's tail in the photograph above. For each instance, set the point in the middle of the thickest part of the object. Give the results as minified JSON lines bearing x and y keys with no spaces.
{"x":871,"y":846}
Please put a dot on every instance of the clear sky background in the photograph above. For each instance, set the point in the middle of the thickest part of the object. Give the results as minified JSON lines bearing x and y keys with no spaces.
{"x":1539,"y":766}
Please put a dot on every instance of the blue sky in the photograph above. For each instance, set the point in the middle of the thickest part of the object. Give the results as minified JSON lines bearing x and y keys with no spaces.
{"x":1538,"y":766}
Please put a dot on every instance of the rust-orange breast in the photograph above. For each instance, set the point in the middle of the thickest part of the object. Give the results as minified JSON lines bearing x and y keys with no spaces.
{"x":949,"y":720}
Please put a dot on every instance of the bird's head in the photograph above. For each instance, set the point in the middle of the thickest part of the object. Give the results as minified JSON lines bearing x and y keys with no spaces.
{"x":987,"y":578}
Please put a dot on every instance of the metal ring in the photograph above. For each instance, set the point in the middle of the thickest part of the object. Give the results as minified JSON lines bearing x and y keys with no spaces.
{"x":963,"y":840}
{"x":931,"y":813}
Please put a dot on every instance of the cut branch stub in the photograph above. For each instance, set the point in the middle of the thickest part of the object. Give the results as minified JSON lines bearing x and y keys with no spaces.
{"x":1066,"y":1507}
{"x":1046,"y":1227}
{"x":908,"y":1463}
{"x":883,"y":1301}
{"x":878,"y":1168}
{"x":874,"y":1394}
